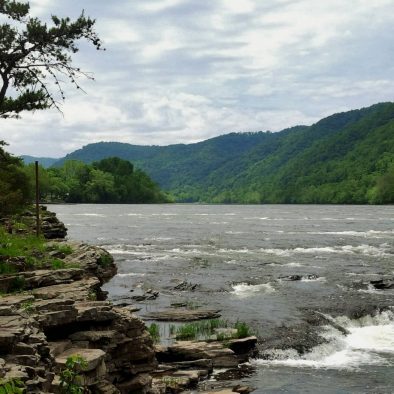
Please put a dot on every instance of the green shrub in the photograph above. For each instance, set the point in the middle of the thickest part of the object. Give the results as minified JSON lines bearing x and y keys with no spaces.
{"x":105,"y":260}
{"x":71,"y":382}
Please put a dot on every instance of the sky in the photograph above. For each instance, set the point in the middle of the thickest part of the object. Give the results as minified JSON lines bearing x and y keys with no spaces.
{"x":182,"y":71}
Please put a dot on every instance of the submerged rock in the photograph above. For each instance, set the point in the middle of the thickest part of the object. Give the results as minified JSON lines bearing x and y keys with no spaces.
{"x":183,"y":314}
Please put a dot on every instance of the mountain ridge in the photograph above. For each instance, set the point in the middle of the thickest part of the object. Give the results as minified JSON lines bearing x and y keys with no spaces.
{"x":339,"y":159}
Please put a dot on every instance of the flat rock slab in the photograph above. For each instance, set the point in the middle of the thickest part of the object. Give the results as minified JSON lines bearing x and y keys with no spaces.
{"x":78,"y":290}
{"x":93,"y":357}
{"x":183,"y":315}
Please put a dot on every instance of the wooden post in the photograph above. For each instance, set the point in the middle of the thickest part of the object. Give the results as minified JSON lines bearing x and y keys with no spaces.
{"x":37,"y":202}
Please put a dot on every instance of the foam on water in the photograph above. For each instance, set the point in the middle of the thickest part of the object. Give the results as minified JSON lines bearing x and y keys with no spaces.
{"x":100,"y":215}
{"x":370,"y":342}
{"x":368,"y":250}
{"x":244,"y":290}
{"x":365,"y":234}
{"x":129,"y":274}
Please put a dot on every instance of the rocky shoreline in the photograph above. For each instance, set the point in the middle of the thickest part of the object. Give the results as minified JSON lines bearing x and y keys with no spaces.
{"x":63,"y":312}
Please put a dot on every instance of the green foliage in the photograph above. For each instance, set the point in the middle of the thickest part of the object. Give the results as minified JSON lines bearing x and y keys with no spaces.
{"x":154,"y":331}
{"x":105,"y":260}
{"x":57,"y":264}
{"x":71,"y":381}
{"x":15,"y":190}
{"x":28,"y":306}
{"x":35,"y":56}
{"x":16,"y":245}
{"x":243,"y":330}
{"x":13,"y":386}
{"x":31,"y":251}
{"x":111,"y":180}
{"x":65,"y":249}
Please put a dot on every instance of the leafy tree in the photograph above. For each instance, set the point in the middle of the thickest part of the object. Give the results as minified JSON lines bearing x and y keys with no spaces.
{"x":35,"y":57}
{"x":14,"y":184}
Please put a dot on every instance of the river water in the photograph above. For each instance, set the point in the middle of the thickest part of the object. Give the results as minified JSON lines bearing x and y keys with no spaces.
{"x":240,"y":257}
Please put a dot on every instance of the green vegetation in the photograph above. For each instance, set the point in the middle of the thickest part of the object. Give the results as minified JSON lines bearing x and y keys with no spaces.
{"x":208,"y":329}
{"x":110,"y":180}
{"x":13,"y":386}
{"x":65,"y":249}
{"x":24,"y":251}
{"x":154,"y":331}
{"x":345,"y":158}
{"x":14,"y":185}
{"x":105,"y":260}
{"x":71,"y":381}
{"x":57,"y":264}
{"x":28,"y":306}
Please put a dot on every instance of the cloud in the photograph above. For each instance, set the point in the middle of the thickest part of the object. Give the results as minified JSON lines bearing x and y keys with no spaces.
{"x":183,"y":71}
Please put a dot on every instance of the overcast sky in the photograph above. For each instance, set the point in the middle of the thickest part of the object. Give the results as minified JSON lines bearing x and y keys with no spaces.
{"x":181,"y":71}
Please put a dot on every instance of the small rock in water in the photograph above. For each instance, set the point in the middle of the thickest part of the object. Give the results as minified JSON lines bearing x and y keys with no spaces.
{"x":382,"y":284}
{"x":186,"y":286}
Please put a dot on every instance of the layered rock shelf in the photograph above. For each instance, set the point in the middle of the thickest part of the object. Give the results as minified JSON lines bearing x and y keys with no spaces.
{"x":62,"y":313}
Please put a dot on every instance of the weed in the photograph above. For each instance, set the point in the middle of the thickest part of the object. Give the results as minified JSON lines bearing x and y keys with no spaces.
{"x":28,"y":306}
{"x":57,"y":264}
{"x":243,"y":330}
{"x":172,"y":329}
{"x":13,"y":386}
{"x":105,"y":260}
{"x":154,"y":331}
{"x":71,"y":382}
{"x":92,"y":295}
{"x":205,"y":329}
{"x":65,"y":249}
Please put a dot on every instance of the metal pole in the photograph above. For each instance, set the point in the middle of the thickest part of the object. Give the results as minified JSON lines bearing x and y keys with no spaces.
{"x":37,"y":203}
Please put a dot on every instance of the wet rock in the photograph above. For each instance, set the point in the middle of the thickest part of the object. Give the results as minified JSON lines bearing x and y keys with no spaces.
{"x":77,"y":290}
{"x":186,"y":286}
{"x":183,"y":314}
{"x":190,"y":350}
{"x":294,"y":278}
{"x":243,"y":346}
{"x":51,"y":227}
{"x":145,"y":296}
{"x":383,"y":284}
{"x":301,"y":338}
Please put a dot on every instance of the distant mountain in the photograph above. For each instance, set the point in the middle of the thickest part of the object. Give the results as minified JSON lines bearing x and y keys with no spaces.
{"x":44,"y":161}
{"x":344,"y":158}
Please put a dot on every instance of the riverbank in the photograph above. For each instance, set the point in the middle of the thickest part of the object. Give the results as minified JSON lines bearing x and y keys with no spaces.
{"x":55,"y":310}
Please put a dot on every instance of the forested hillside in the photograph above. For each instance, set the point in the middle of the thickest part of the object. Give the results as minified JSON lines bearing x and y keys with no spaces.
{"x":345,"y":158}
{"x":111,"y":180}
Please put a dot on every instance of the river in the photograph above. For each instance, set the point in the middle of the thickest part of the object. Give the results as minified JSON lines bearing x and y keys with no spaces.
{"x":243,"y":260}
